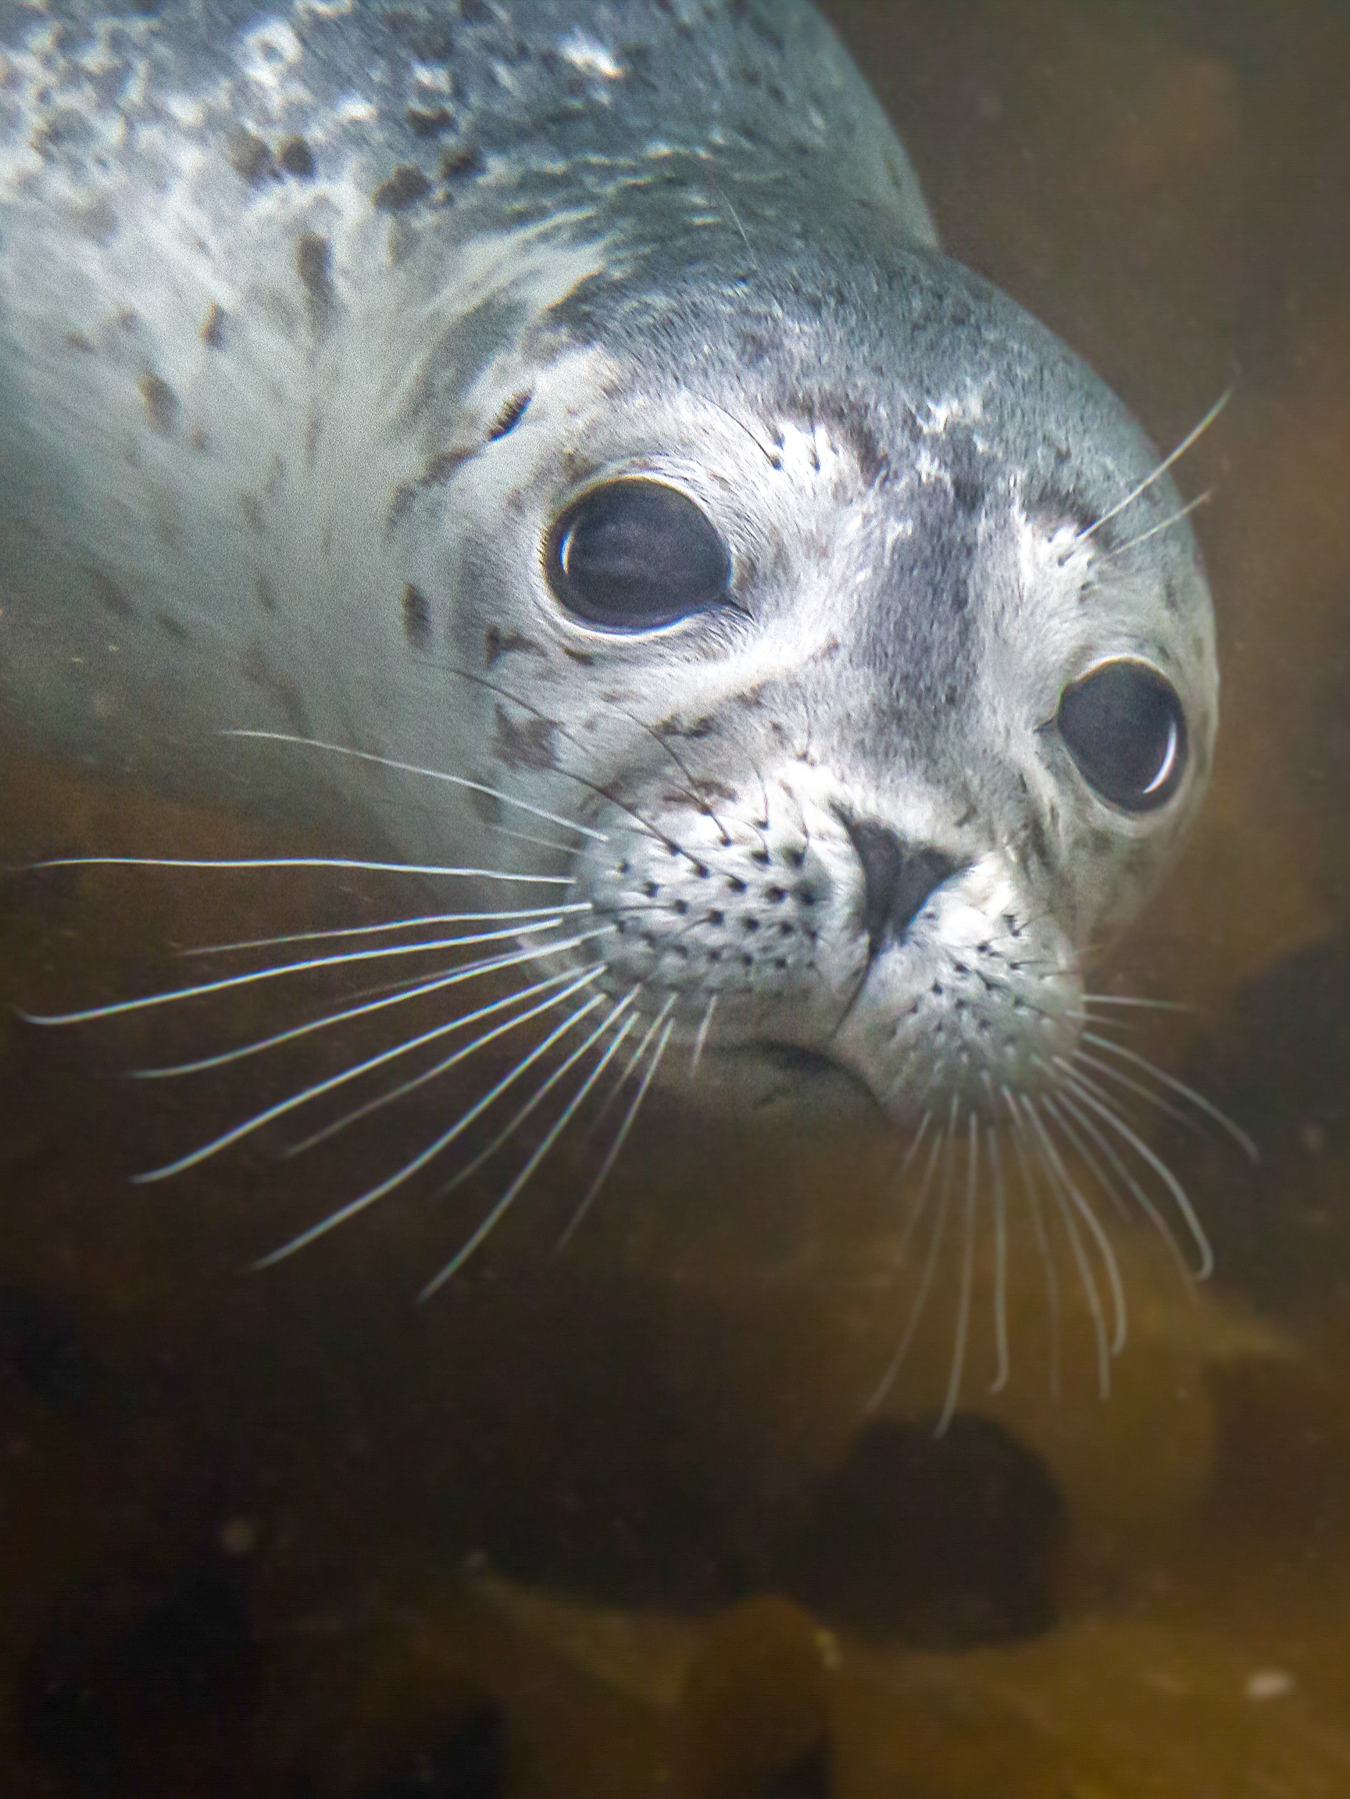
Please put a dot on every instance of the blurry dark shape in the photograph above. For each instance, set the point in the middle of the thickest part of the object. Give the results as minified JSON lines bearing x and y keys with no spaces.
{"x":945,"y":1541}
{"x":469,"y":1765}
{"x":130,"y":1658}
{"x":42,"y":1346}
{"x":754,"y":1715}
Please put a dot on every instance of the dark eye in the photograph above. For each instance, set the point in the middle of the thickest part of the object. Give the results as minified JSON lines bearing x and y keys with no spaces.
{"x":633,"y":555}
{"x":1124,"y":727}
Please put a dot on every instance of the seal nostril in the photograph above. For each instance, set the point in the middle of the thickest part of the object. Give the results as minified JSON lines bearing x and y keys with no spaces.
{"x":896,"y":880}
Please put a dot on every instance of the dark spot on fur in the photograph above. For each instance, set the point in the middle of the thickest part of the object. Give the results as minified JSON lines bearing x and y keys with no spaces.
{"x":251,"y":507}
{"x":442,"y":466}
{"x":197,"y":438}
{"x":76,"y":340}
{"x":527,"y":745}
{"x":405,"y":187}
{"x":509,"y":417}
{"x":213,"y":327}
{"x":109,"y":595}
{"x":401,"y":499}
{"x":248,"y":156}
{"x":416,"y":616}
{"x":475,"y":12}
{"x":428,"y":123}
{"x":161,"y":403}
{"x":313,"y":255}
{"x":461,"y":161}
{"x":296,"y":158}
{"x":967,"y":494}
{"x":262,"y":588}
{"x":584,"y":657}
{"x":280,"y":687}
{"x":499,"y":644}
{"x":171,"y":627}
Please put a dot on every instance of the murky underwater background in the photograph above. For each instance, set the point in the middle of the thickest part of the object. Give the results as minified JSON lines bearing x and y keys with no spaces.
{"x":617,"y":1522}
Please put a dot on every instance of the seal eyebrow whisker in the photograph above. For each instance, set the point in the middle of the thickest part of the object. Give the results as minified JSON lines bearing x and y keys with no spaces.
{"x":416,"y":1163}
{"x":578,"y":979}
{"x":396,"y":924}
{"x":1221,"y":1118}
{"x":498,"y":1212}
{"x":1162,"y":468}
{"x":700,"y":802}
{"x":622,"y":1134}
{"x":1201,"y":499}
{"x":413,"y":768}
{"x":774,"y":461}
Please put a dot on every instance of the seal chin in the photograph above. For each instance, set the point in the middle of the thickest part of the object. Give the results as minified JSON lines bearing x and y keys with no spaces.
{"x":769,"y":1082}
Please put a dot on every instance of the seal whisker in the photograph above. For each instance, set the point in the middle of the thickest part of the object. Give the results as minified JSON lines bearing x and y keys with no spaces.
{"x":582,"y":978}
{"x":383,"y":998}
{"x":621,"y":1135}
{"x":962,"y":1332}
{"x":1170,"y":1081}
{"x":700,"y":1040}
{"x":227,"y":982}
{"x":1119,"y":999}
{"x":498,"y":1212}
{"x":1173,"y":1185}
{"x":1081,"y":1060}
{"x":617,"y":1086}
{"x":914,"y":1144}
{"x":1174,"y":518}
{"x":543,"y":843}
{"x":342,"y":862}
{"x":430,"y":774}
{"x":1155,"y":1216}
{"x":1031,"y":1192}
{"x":540,"y":1093}
{"x":944,"y":1142}
{"x":1162,"y":468}
{"x":1003,"y":1368}
{"x":554,"y":913}
{"x":416,"y":1163}
{"x":282,"y":1106}
{"x":1069,"y":1200}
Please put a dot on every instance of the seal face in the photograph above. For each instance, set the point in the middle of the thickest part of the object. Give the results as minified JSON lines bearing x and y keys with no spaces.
{"x":512,"y":393}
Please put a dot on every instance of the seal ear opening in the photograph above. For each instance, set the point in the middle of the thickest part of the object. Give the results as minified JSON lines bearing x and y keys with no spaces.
{"x":1124,"y":726}
{"x":634,"y":555}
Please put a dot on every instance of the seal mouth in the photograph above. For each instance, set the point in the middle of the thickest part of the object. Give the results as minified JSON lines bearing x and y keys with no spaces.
{"x":813,"y":1065}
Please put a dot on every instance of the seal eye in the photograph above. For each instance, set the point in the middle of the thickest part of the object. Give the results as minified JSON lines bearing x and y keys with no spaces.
{"x":1124,"y":727}
{"x":634,"y":555}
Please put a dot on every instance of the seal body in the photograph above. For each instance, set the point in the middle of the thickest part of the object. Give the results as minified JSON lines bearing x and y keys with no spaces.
{"x":571,"y":399}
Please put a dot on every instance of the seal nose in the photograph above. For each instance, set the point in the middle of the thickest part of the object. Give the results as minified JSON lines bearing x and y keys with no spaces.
{"x":896,"y":880}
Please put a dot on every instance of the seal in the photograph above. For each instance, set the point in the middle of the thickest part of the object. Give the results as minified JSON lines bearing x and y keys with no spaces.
{"x":558,"y":424}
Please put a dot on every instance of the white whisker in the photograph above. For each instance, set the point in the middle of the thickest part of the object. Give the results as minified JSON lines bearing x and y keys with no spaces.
{"x":238,"y":863}
{"x":556,"y":913}
{"x":495,"y":1216}
{"x":1174,"y":518}
{"x":432,"y":1150}
{"x":1198,"y":1100}
{"x":543,"y":843}
{"x":1162,"y":467}
{"x":1088,"y":1279}
{"x":1142,"y":1200}
{"x":430,"y":774}
{"x":227,"y":982}
{"x":920,"y":1299}
{"x":1160,"y":1168}
{"x":1081,"y":1059}
{"x":915,"y":1141}
{"x":953,"y":1394}
{"x":1004,"y":1367}
{"x":1105,"y":1248}
{"x":705,"y":1025}
{"x":1031,"y":1190}
{"x":391,"y":995}
{"x":392,"y":1094}
{"x":621,"y":1135}
{"x":282,"y":1106}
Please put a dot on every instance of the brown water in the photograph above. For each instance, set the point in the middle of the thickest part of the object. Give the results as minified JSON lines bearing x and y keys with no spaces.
{"x":617,"y":1522}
